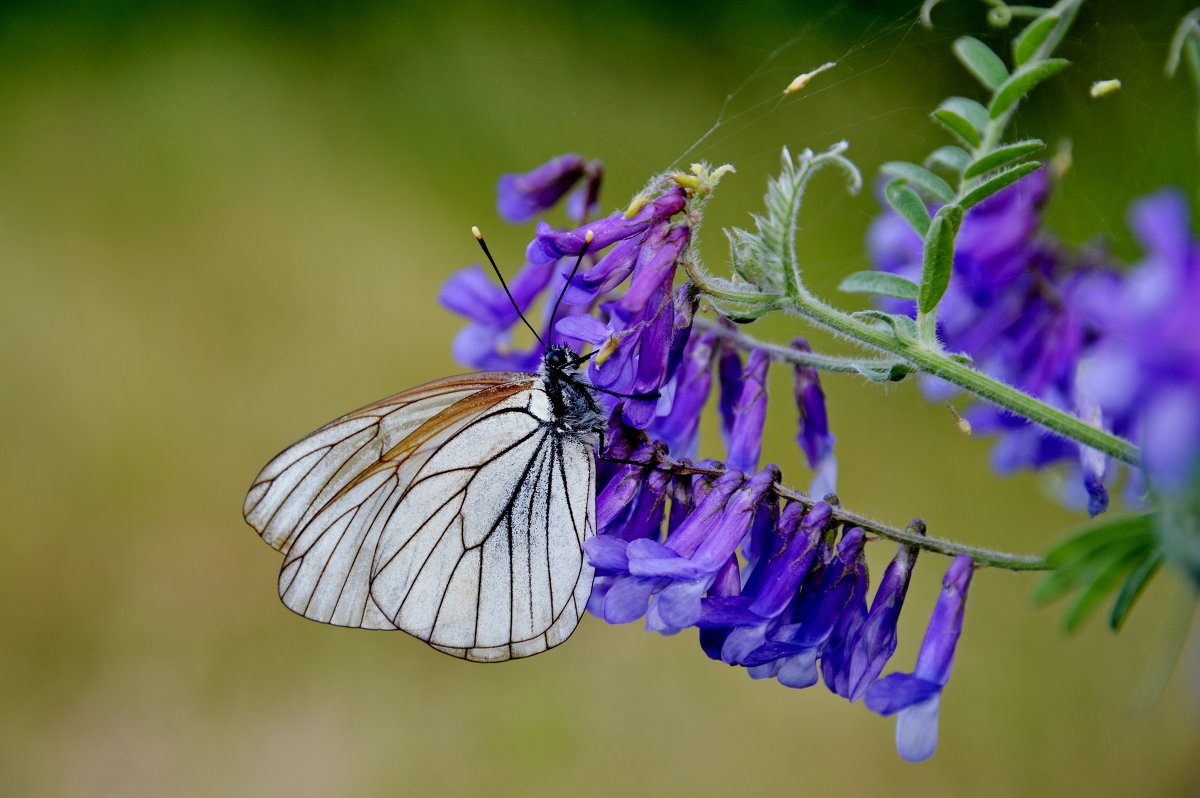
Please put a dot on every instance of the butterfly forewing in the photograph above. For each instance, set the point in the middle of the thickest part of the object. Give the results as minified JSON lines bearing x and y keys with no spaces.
{"x":303,"y":478}
{"x":454,"y":512}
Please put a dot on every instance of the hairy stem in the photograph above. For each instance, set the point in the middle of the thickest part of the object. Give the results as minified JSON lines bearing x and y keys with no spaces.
{"x":943,"y":365}
{"x":981,"y":556}
{"x":786,"y":354}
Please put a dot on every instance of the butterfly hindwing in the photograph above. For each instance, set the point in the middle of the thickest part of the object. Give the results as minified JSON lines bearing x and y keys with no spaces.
{"x":489,"y":566}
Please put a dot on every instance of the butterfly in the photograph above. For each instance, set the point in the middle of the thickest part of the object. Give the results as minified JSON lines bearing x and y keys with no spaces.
{"x":455,"y":511}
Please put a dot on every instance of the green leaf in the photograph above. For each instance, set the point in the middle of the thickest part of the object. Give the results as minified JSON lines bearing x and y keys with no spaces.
{"x":883,"y":283}
{"x":1000,"y":156}
{"x":1032,"y":37}
{"x":969,"y":110}
{"x":920,"y":177}
{"x":903,"y":327}
{"x":1082,"y":556}
{"x":894,"y":373}
{"x":981,"y":62}
{"x":997,"y":182}
{"x":906,"y":203}
{"x":1102,"y":583}
{"x":938,"y":257}
{"x":739,"y":314}
{"x":1021,"y":83}
{"x":1134,"y":584}
{"x":953,"y":158}
{"x":1082,"y":571}
{"x":964,"y":118}
{"x":1079,"y":544}
{"x":958,"y":126}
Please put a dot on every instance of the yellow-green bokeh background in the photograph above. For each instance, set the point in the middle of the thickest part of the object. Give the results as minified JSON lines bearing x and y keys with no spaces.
{"x":223,"y":224}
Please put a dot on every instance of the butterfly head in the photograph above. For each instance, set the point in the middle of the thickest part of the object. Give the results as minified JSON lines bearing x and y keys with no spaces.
{"x":562,"y":361}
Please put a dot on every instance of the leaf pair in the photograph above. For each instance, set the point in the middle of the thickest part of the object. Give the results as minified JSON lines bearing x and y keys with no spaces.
{"x":1117,"y":556}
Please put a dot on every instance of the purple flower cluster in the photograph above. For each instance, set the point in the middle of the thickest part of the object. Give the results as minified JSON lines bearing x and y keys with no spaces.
{"x":642,"y":335}
{"x":1120,"y":348}
{"x":1146,"y":365}
{"x":773,"y":582}
{"x":1016,"y":305}
{"x":779,"y":591}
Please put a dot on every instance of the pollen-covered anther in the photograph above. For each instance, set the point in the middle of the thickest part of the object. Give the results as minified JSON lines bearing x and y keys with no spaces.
{"x":606,"y":350}
{"x":636,"y":205}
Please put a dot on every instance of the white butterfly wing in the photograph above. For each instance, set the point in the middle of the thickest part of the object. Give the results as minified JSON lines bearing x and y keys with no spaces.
{"x":301,"y":479}
{"x":466,"y":533}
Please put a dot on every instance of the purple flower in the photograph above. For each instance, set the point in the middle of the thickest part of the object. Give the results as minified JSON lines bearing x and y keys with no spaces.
{"x":470,"y":292}
{"x":584,"y":201}
{"x":794,"y":545}
{"x":616,"y":502}
{"x":687,"y":393}
{"x":649,"y":565}
{"x":823,"y":603}
{"x":610,"y":271}
{"x":677,"y":572}
{"x":550,"y":245}
{"x":916,"y":695}
{"x":814,"y":437}
{"x":679,"y":604}
{"x":1148,"y":362}
{"x":726,"y":584}
{"x":749,"y":414}
{"x":520,"y":197}
{"x":788,"y":647}
{"x":655,"y":269}
{"x":868,"y":650}
{"x":729,"y":371}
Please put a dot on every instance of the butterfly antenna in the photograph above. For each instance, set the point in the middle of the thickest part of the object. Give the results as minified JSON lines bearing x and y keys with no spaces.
{"x":516,"y":307}
{"x":587,"y":243}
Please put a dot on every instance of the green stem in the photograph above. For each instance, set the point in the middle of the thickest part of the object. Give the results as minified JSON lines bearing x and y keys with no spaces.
{"x":996,"y":559}
{"x":943,"y":365}
{"x":787,"y":354}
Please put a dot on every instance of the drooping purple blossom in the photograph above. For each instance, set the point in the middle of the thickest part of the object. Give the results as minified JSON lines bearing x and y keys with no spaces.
{"x":744,"y":442}
{"x":522,"y":196}
{"x":815,"y":439}
{"x":865,"y":653}
{"x":686,"y":396}
{"x":916,"y":696}
{"x":825,"y":597}
{"x":655,"y":267}
{"x":729,"y":374}
{"x":550,"y":244}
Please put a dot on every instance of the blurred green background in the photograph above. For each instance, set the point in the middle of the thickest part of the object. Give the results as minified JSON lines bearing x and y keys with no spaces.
{"x":222,"y":224}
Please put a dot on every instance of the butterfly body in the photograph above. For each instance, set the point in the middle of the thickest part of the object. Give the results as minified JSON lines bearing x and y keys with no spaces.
{"x":455,"y":511}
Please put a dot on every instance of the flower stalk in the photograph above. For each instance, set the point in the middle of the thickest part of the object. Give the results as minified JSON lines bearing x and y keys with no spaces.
{"x":980,"y":556}
{"x":922,"y":358}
